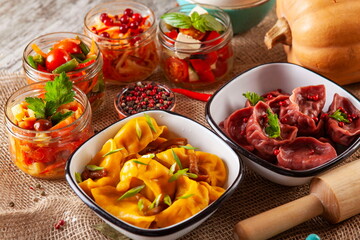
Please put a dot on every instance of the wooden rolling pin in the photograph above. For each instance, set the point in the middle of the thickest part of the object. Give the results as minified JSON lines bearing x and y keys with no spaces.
{"x":334,"y":194}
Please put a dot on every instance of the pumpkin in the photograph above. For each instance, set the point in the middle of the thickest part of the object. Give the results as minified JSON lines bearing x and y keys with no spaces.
{"x":323,"y":36}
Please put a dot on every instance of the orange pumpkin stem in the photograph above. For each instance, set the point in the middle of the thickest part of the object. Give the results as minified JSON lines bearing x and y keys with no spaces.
{"x":279,"y":33}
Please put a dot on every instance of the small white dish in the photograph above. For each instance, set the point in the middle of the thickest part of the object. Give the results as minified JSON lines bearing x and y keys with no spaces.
{"x":197,"y":135}
{"x":262,"y":79}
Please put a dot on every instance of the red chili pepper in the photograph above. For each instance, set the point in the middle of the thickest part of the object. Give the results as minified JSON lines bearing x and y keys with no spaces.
{"x":194,"y":95}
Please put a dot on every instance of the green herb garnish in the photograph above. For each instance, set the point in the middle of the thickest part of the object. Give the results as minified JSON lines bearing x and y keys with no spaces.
{"x":185,"y":196}
{"x":156,"y":202}
{"x":189,"y":147}
{"x":132,"y":192}
{"x":78,"y":177}
{"x":176,"y":158}
{"x":172,"y":169}
{"x":182,"y":172}
{"x":140,"y":205}
{"x":149,"y":122}
{"x":253,"y":98}
{"x":113,"y":151}
{"x":94,"y":168}
{"x":273,"y":128}
{"x":136,"y":161}
{"x":167,"y":200}
{"x":58,"y":92}
{"x":203,"y":22}
{"x":339,"y":116}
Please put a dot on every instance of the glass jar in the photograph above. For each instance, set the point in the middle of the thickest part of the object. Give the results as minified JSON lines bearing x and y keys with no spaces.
{"x":129,"y":52}
{"x":43,"y":154}
{"x":197,"y":63}
{"x":89,"y":79}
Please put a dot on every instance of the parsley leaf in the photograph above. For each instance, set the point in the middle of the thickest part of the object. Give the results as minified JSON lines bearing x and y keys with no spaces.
{"x":339,"y":116}
{"x":203,"y":22}
{"x":253,"y":98}
{"x":273,"y":128}
{"x":58,"y":92}
{"x":37,"y":105}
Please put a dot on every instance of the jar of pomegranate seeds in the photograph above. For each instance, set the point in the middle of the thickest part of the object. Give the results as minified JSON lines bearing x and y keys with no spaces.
{"x":125,"y":33}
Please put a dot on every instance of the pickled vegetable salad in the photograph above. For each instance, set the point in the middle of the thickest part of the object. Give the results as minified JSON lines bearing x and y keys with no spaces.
{"x":127,"y":56}
{"x":65,"y":56}
{"x":50,"y":117}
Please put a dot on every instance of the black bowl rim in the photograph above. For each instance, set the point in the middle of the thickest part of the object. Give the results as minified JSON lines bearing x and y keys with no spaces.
{"x":162,"y":231}
{"x":257,"y":160}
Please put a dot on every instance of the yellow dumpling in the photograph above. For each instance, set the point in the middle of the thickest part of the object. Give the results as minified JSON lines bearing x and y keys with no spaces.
{"x":137,"y":133}
{"x":125,"y":209}
{"x":195,"y":198}
{"x":214,"y":191}
{"x":154,"y":175}
{"x":167,"y":157}
{"x":112,"y":163}
{"x":213,"y":166}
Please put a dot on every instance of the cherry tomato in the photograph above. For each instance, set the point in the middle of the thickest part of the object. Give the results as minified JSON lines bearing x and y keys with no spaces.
{"x":55,"y":58}
{"x":68,"y":45}
{"x":177,"y":69}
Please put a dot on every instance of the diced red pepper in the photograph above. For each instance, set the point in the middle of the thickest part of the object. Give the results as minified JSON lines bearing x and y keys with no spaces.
{"x":203,"y":69}
{"x":82,"y":65}
{"x":212,"y":35}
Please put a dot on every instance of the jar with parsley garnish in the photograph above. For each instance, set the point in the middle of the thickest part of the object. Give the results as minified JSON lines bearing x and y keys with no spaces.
{"x":196,"y":50}
{"x":46,"y":56}
{"x":46,"y":122}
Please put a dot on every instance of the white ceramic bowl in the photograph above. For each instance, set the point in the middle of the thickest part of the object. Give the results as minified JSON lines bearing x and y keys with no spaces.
{"x":262,"y":79}
{"x":197,"y":135}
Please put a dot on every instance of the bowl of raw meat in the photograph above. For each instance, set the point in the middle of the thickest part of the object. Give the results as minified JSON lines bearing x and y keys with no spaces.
{"x":287,"y":122}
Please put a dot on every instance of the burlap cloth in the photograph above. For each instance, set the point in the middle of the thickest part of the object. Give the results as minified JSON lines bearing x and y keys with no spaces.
{"x":33,"y":216}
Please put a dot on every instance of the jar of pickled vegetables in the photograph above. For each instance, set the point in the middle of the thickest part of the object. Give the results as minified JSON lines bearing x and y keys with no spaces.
{"x":125,"y":33}
{"x":76,"y":54}
{"x":196,"y":50}
{"x":46,"y":126}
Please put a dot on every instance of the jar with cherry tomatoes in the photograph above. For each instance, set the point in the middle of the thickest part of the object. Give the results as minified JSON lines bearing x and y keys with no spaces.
{"x":196,"y":50}
{"x":125,"y":33}
{"x":37,"y":147}
{"x":76,"y":54}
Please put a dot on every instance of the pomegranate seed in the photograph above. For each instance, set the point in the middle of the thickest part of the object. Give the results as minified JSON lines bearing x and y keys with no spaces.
{"x":245,"y":120}
{"x":123,"y":28}
{"x":134,"y":25}
{"x":124,"y":19}
{"x":108,"y":22}
{"x":341,"y":124}
{"x":350,"y":120}
{"x":354,"y":116}
{"x":59,"y":224}
{"x":315,"y":119}
{"x":324,"y":115}
{"x":276,"y":151}
{"x":105,"y":35}
{"x":137,"y":17}
{"x":284,"y":120}
{"x":269,"y":96}
{"x":128,"y":12}
{"x":283,"y":103}
{"x":103,"y":16}
{"x":341,"y":109}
